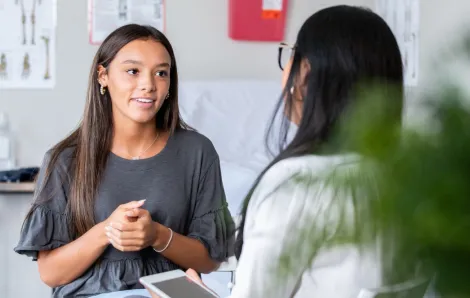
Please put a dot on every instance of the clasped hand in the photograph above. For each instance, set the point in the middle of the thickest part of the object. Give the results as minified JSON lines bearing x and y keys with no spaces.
{"x":131,"y":228}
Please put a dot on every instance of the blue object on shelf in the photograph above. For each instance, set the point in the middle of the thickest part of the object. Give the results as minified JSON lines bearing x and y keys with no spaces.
{"x":19,"y":175}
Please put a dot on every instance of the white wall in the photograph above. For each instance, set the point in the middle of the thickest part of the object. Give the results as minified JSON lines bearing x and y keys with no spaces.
{"x":19,"y":275}
{"x":443,"y":23}
{"x":198,"y":32}
{"x":194,"y":37}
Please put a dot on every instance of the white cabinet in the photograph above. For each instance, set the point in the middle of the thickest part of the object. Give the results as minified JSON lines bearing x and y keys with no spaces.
{"x":19,"y":275}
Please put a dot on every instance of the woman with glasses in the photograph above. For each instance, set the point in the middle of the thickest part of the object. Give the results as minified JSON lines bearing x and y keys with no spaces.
{"x":336,"y":49}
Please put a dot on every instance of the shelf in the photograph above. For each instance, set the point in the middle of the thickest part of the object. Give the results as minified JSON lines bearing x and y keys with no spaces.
{"x":27,"y":187}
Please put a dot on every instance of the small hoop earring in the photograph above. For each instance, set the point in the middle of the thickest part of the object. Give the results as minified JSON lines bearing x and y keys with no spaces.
{"x":102,"y":90}
{"x":292,"y":93}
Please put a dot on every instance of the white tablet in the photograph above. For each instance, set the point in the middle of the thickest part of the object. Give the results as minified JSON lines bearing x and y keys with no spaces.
{"x":175,"y":284}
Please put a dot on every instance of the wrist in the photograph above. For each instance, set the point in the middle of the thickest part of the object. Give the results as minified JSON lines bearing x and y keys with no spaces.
{"x":100,"y":234}
{"x":162,"y":236}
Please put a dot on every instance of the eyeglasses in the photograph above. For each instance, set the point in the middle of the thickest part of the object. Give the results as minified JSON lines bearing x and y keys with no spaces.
{"x":285,"y":53}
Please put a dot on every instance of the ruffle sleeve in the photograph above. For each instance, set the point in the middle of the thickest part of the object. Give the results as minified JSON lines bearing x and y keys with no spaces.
{"x":46,"y":225}
{"x":212,"y":223}
{"x":43,"y":229}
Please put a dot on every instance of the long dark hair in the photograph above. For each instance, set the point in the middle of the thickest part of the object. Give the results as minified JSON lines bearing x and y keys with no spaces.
{"x":91,"y":141}
{"x":343,"y":46}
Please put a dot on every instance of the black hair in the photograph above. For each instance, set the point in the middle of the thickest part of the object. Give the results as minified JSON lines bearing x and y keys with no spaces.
{"x":344,"y":46}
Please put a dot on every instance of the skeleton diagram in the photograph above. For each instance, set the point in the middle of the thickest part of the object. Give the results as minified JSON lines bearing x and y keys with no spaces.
{"x":47,"y":74}
{"x":123,"y":10}
{"x":32,"y":18}
{"x":26,"y":66}
{"x":3,"y":66}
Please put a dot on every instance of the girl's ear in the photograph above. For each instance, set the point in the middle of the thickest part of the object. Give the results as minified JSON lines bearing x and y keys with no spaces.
{"x":102,"y":76}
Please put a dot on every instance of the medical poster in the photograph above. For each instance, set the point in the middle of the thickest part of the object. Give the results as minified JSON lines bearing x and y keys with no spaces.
{"x":107,"y":15}
{"x":27,"y":44}
{"x":403,"y":18}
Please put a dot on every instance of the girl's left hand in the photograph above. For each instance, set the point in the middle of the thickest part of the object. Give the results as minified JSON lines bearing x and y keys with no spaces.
{"x":193,"y":274}
{"x":193,"y":277}
{"x":135,"y":234}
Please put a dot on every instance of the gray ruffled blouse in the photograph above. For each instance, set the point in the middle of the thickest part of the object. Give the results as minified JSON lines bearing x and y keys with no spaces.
{"x":183,"y":189}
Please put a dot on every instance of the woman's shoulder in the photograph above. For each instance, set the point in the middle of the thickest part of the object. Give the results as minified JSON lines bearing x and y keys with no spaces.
{"x":193,"y":136}
{"x":294,"y":189}
{"x":63,"y":158}
{"x":194,"y":141}
{"x":52,"y":182}
{"x":55,"y":173}
{"x":304,"y":166}
{"x":297,"y":178}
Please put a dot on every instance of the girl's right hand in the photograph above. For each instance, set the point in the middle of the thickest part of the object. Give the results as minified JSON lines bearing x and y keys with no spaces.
{"x":122,"y":214}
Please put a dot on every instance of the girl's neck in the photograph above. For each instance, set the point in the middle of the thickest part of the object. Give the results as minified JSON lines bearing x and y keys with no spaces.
{"x":132,"y":139}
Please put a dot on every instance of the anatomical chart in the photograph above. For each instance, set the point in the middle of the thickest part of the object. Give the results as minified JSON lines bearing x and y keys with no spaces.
{"x":27,"y":44}
{"x":107,"y":15}
{"x":403,"y":17}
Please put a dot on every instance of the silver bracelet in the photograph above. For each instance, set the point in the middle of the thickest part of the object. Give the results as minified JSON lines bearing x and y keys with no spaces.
{"x":168,"y":244}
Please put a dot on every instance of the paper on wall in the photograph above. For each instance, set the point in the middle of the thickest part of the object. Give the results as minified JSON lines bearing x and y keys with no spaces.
{"x":403,"y":17}
{"x":271,"y":9}
{"x":27,"y":47}
{"x":272,"y":5}
{"x":107,"y":15}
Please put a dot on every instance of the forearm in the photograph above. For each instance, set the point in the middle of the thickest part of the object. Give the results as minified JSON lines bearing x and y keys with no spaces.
{"x":184,"y":251}
{"x":64,"y":264}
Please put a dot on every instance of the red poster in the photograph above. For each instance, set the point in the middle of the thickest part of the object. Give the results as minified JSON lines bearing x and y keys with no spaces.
{"x":257,"y":20}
